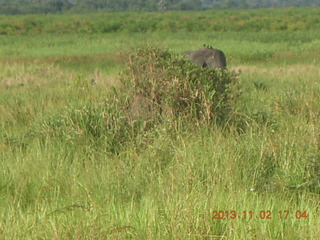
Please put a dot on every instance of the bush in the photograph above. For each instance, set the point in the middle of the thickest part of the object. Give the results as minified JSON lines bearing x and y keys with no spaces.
{"x":165,"y":85}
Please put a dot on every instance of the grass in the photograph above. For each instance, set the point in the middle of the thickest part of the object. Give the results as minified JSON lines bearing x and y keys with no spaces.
{"x":285,"y":19}
{"x":61,"y":176}
{"x":241,"y":47}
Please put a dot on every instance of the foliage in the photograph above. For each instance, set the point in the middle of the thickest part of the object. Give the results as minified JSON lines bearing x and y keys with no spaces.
{"x":173,"y":87}
{"x":76,"y":164}
{"x":290,"y":19}
{"x":58,"y":6}
{"x":159,"y":87}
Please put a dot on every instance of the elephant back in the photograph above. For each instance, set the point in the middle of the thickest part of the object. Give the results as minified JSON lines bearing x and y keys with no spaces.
{"x":209,"y":57}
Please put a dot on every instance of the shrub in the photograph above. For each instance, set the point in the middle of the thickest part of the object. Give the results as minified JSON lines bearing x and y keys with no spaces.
{"x":166,"y":85}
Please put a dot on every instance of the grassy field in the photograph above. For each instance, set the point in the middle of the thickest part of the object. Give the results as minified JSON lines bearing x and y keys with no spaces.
{"x":63,"y":177}
{"x":291,"y":19}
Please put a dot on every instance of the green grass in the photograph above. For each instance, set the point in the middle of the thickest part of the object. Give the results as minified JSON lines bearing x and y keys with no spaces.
{"x":63,"y":177}
{"x":240,"y":47}
{"x":285,"y":19}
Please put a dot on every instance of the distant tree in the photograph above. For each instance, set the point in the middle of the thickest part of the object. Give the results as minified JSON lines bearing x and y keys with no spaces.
{"x":231,"y":4}
{"x":243,"y":4}
{"x":190,"y":5}
{"x":59,"y":5}
{"x":163,"y":5}
{"x":54,"y":6}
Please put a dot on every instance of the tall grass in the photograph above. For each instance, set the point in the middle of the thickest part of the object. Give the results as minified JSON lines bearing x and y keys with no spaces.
{"x":67,"y":173}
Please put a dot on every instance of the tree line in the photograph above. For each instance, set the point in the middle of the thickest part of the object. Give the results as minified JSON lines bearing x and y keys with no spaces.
{"x":79,"y":6}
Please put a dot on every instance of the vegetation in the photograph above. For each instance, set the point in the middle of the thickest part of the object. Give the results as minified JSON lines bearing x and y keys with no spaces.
{"x":76,"y":6}
{"x":76,"y":162}
{"x":167,"y":86}
{"x":291,"y":19}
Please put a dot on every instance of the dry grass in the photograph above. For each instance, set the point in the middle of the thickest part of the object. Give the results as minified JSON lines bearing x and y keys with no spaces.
{"x":297,"y":69}
{"x":38,"y":73}
{"x":17,"y":74}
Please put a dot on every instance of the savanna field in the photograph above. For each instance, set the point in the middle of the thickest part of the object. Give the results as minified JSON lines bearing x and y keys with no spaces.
{"x":76,"y":162}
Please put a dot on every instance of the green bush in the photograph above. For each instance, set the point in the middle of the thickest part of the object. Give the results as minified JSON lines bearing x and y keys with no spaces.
{"x":166,"y":85}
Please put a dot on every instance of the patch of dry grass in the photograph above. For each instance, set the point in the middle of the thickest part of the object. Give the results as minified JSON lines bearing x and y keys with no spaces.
{"x":44,"y":73}
{"x":297,"y":69}
{"x":17,"y":74}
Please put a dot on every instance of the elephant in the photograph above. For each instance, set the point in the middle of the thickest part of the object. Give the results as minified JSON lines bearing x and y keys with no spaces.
{"x":208,"y":57}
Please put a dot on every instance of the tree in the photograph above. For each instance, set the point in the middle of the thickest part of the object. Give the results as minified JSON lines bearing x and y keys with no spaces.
{"x":59,"y":5}
{"x":231,"y":4}
{"x":163,"y":5}
{"x":54,"y":6}
{"x":243,"y":4}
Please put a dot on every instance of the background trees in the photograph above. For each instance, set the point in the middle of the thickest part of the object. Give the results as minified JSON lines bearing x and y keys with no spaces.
{"x":56,"y":6}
